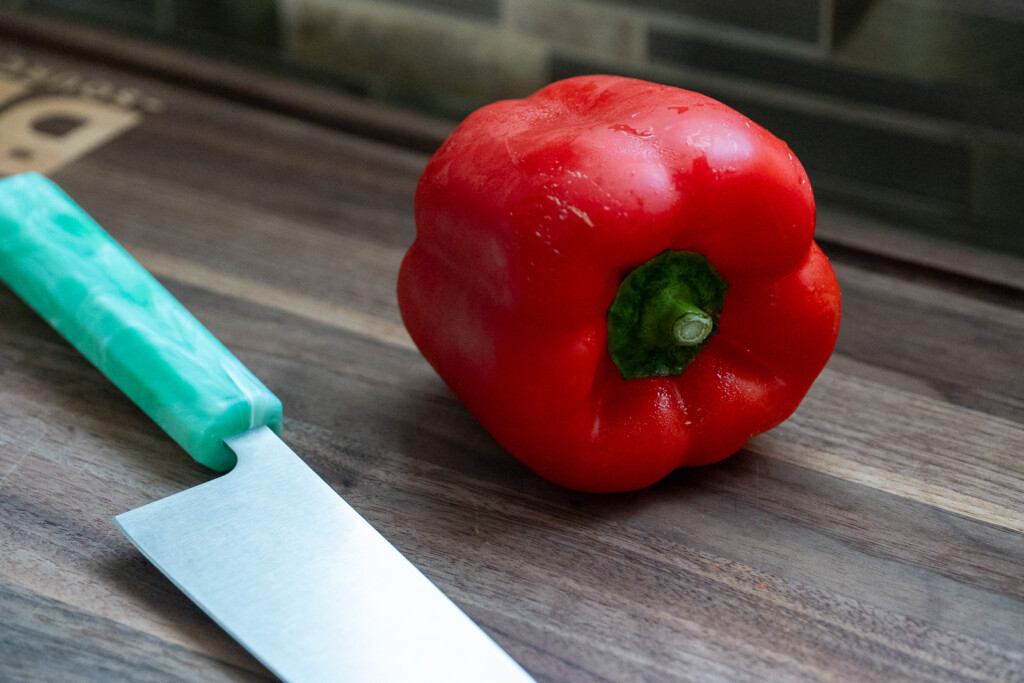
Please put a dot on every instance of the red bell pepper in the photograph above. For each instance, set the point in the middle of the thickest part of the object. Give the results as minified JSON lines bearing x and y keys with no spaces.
{"x":618,"y":279}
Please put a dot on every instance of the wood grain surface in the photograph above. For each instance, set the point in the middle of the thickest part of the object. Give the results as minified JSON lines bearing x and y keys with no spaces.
{"x":877,"y":535}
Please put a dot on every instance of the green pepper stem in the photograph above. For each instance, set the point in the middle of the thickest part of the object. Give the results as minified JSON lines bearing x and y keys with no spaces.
{"x":669,"y":317}
{"x":664,"y":313}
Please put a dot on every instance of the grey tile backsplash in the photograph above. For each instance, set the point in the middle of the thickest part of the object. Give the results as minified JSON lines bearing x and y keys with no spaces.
{"x":907,"y":109}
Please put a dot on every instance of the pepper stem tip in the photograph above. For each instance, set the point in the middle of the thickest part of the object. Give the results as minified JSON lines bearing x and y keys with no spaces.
{"x":691,"y":328}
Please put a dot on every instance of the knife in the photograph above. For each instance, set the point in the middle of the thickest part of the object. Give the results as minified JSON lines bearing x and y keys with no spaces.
{"x":268,"y":550}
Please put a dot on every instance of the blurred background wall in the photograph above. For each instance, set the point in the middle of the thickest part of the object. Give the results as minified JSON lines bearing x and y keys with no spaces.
{"x":908,"y":110}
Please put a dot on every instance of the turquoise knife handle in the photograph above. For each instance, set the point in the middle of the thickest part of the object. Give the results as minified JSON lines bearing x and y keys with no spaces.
{"x":66,"y":267}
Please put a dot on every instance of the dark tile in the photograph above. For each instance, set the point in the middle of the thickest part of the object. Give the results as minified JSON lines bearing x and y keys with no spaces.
{"x":1002,"y":111}
{"x":847,"y":16}
{"x":795,"y":19}
{"x":134,"y":14}
{"x":978,"y":43}
{"x":253,"y":23}
{"x":998,"y":194}
{"x":481,"y":9}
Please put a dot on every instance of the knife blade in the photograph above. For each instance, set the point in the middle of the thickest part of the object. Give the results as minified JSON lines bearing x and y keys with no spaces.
{"x":268,"y":550}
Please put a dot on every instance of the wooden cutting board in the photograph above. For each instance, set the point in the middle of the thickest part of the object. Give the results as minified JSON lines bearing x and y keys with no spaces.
{"x":877,"y":535}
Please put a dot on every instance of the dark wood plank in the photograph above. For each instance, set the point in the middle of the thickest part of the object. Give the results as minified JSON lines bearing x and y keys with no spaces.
{"x":45,"y":640}
{"x":877,"y":535}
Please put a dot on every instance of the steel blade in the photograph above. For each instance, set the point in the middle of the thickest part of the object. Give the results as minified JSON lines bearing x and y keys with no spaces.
{"x":297,"y":576}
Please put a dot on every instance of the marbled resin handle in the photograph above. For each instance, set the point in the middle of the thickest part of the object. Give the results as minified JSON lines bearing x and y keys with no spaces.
{"x":66,"y":267}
